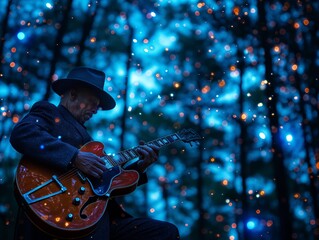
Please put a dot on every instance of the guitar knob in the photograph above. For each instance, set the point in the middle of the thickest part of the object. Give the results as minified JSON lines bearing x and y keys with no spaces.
{"x":69,"y":217}
{"x":81,"y":190}
{"x":76,"y":201}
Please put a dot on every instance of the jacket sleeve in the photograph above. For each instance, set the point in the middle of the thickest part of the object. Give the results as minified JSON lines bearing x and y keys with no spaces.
{"x":33,"y":137}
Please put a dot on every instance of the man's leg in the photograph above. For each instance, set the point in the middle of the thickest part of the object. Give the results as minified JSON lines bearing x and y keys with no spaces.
{"x":143,"y":228}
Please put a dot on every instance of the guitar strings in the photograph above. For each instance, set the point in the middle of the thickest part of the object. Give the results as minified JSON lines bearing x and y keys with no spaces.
{"x":69,"y":174}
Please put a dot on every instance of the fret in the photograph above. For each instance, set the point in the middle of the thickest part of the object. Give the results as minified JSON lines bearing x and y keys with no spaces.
{"x":175,"y":137}
{"x":160,"y":143}
{"x":125,"y":155}
{"x":128,"y":155}
{"x":164,"y":140}
{"x":118,"y":159}
{"x":132,"y":153}
{"x":172,"y":138}
{"x":135,"y":152}
{"x":109,"y":162}
{"x":157,"y":143}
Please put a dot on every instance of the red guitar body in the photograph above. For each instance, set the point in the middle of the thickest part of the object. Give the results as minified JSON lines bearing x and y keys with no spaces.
{"x":68,"y":204}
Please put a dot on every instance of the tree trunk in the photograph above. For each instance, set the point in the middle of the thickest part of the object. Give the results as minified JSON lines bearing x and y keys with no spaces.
{"x":243,"y":148}
{"x":307,"y":129}
{"x":277,"y":151}
{"x":3,"y":34}
{"x":57,"y":46}
{"x":199,"y":163}
{"x":87,"y":27}
{"x":126,"y":86}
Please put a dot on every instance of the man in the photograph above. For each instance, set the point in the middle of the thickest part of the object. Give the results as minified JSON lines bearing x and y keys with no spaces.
{"x":52,"y":136}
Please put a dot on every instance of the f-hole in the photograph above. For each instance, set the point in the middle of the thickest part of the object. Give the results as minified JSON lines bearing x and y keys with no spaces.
{"x":88,"y":202}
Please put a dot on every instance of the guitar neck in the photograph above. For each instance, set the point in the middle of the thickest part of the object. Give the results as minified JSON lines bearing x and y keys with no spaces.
{"x":130,"y":154}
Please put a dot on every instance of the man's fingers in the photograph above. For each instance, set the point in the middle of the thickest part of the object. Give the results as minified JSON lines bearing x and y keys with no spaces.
{"x":142,"y":150}
{"x":90,"y":164}
{"x":100,"y":164}
{"x":149,"y":152}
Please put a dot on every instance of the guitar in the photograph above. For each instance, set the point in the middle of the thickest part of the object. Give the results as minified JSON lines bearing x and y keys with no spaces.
{"x":69,"y":204}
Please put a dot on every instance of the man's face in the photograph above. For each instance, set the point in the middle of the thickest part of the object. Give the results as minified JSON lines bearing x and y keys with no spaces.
{"x":85,"y":104}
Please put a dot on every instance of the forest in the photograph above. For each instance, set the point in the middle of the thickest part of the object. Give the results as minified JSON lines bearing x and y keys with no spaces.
{"x":242,"y":74}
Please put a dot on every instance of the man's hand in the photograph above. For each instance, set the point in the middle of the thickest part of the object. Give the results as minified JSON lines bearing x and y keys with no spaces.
{"x":90,"y":164}
{"x":149,"y":154}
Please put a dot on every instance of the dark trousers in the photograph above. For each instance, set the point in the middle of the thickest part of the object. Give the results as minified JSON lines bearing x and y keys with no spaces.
{"x":143,"y":228}
{"x":122,"y":228}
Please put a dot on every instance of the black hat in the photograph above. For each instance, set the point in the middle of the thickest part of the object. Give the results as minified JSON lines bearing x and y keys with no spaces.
{"x":89,"y":77}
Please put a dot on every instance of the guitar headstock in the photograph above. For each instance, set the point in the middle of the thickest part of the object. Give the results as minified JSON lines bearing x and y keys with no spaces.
{"x":189,"y":136}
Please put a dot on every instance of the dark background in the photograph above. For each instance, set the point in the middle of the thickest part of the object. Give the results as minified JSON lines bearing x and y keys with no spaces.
{"x":243,"y":74}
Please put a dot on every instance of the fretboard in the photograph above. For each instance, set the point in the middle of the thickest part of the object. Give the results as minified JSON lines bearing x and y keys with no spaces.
{"x":132,"y":153}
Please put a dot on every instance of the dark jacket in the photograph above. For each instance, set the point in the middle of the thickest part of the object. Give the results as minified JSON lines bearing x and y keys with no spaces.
{"x":51,"y":136}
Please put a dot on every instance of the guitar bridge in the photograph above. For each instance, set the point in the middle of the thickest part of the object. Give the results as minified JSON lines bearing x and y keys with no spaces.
{"x":55,"y":179}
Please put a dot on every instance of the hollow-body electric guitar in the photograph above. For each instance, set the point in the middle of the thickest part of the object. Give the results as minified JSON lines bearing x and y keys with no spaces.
{"x":70,"y":204}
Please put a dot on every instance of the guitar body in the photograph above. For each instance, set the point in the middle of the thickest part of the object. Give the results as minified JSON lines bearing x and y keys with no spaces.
{"x":68,"y":204}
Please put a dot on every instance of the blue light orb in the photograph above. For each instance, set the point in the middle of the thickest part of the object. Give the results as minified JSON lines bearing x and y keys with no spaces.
{"x":20,"y":35}
{"x":49,"y":5}
{"x":251,"y":225}
{"x":289,"y":138}
{"x":262,"y":135}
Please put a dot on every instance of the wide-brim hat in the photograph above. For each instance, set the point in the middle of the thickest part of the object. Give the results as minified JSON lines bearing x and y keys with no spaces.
{"x":89,"y":77}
